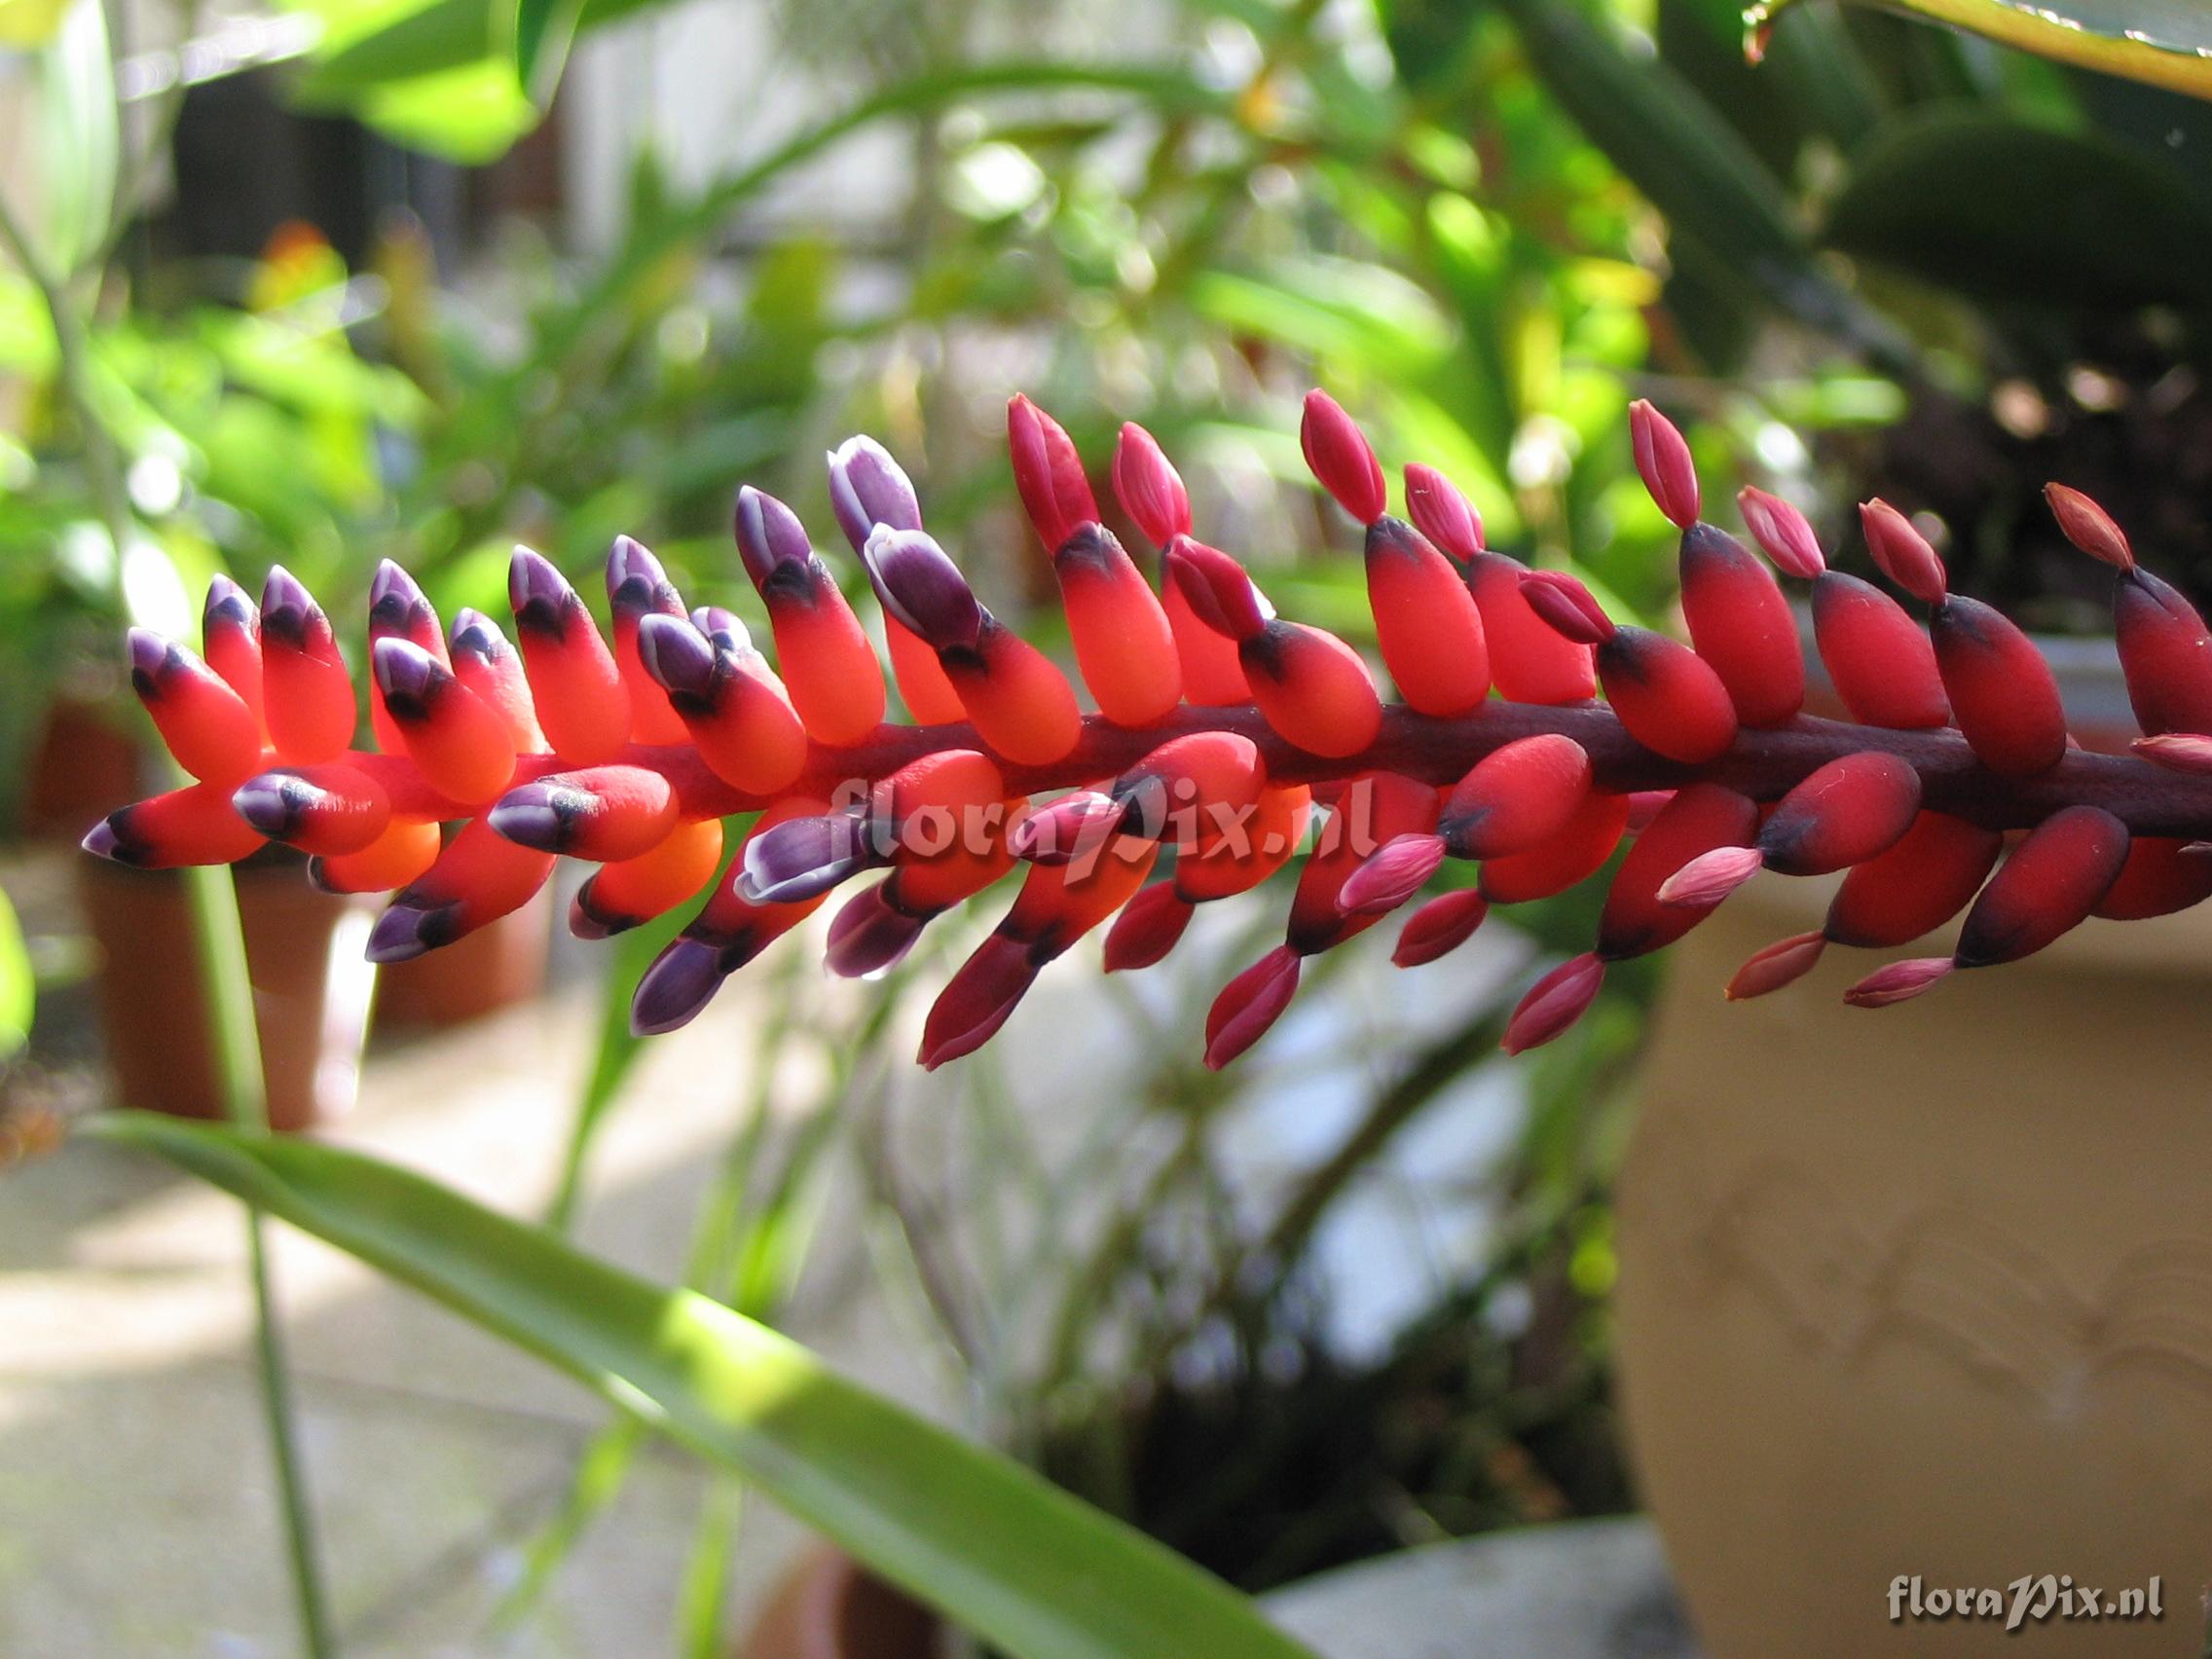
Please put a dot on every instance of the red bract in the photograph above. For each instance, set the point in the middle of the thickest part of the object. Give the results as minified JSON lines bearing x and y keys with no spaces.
{"x":1222,"y":724}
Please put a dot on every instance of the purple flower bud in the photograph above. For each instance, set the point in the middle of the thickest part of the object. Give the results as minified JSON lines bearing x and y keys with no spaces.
{"x":406,"y":931}
{"x":397,"y":604}
{"x":770,"y":536}
{"x":539,"y":595}
{"x":723,"y":626}
{"x":867,"y":487}
{"x":637,"y":584}
{"x":683,"y":979}
{"x":538,"y":814}
{"x":1075,"y":824}
{"x":228,"y":605}
{"x":921,"y":587}
{"x":870,"y":936}
{"x":287,"y":608}
{"x":149,"y":655}
{"x":802,"y":857}
{"x":406,"y":673}
{"x":476,"y":635}
{"x":678,"y":656}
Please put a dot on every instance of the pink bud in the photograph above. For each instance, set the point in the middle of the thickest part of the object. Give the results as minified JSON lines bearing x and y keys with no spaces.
{"x":1663,"y":458}
{"x":1391,"y":875}
{"x":1899,"y":982}
{"x":1047,"y":472}
{"x":1442,"y":513}
{"x":1566,"y":606}
{"x":1782,"y":963}
{"x":1711,"y":877}
{"x":1555,"y":1002}
{"x":1905,"y":555}
{"x":1249,"y":1003}
{"x":1337,"y":453}
{"x":1074,"y":827}
{"x":1784,"y":531}
{"x":1440,"y":927}
{"x":2177,"y":751}
{"x":2089,"y":527}
{"x":1149,"y":488}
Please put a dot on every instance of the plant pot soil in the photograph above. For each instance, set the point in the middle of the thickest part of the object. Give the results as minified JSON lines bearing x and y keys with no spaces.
{"x":1925,"y":1290}
{"x":828,"y":1608}
{"x":312,"y":990}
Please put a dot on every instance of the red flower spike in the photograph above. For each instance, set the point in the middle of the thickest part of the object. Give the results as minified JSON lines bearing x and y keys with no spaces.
{"x":1741,"y":626}
{"x":326,"y":810}
{"x":230,"y":639}
{"x":1782,"y":963}
{"x":484,"y":662}
{"x":1374,"y":809}
{"x":1212,"y":677}
{"x":2160,"y":877}
{"x":203,"y":724}
{"x":1915,"y":887}
{"x":1339,"y":457}
{"x":2051,"y":883}
{"x":479,"y":877}
{"x":1311,"y":688}
{"x":1152,"y":924}
{"x":195,"y":825}
{"x":1515,"y":799}
{"x":1149,"y":488}
{"x":1047,"y":472}
{"x":1249,"y":1003}
{"x":1702,"y":817}
{"x":629,"y":892}
{"x":1881,"y":661}
{"x":398,"y":610}
{"x":1124,"y":645}
{"x":1237,"y":866}
{"x":2003,"y":694}
{"x":1565,"y":607}
{"x":462,"y":744}
{"x":1668,"y":696}
{"x":1662,"y":461}
{"x":1554,"y":1003}
{"x":407,"y":848}
{"x":1425,"y":621}
{"x":2177,"y":751}
{"x":1530,"y":661}
{"x":306,"y":696}
{"x":2165,"y":653}
{"x":1851,"y":810}
{"x":1019,"y":702}
{"x":836,"y":684}
{"x":1440,"y":927}
{"x":1784,"y":532}
{"x":601,"y":814}
{"x":1905,"y":556}
{"x":1397,"y":870}
{"x":1576,"y":853}
{"x":2089,"y":527}
{"x":637,"y":587}
{"x":1443,"y":514}
{"x":726,"y":700}
{"x":574,"y":684}
{"x":1899,"y":982}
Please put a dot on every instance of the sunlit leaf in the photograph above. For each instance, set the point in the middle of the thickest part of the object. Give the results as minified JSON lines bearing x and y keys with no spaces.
{"x":74,"y":154}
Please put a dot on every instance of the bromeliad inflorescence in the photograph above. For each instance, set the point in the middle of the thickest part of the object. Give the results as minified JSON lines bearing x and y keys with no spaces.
{"x":1221,"y":728}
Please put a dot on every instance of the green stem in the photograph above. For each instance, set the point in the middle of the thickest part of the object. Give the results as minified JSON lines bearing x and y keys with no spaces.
{"x":221,"y":943}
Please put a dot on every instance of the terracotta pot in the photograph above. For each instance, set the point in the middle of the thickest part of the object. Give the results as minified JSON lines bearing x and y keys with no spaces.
{"x":828,"y":1608}
{"x":495,"y":966}
{"x":1924,"y":1290}
{"x":311,"y":992}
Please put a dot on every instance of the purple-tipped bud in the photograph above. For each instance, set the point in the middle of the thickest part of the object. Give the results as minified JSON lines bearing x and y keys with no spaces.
{"x":681,"y":981}
{"x":536,"y":815}
{"x":922,"y":588}
{"x":719,"y":622}
{"x":802,"y":857}
{"x":1442,"y":513}
{"x":228,"y":605}
{"x":102,"y":842}
{"x":406,"y":673}
{"x":1711,"y":877}
{"x":637,"y":584}
{"x":149,"y":654}
{"x":539,"y":594}
{"x":274,"y":802}
{"x":867,"y":487}
{"x":406,"y":931}
{"x":287,"y":609}
{"x":1075,"y":826}
{"x":870,"y":936}
{"x":397,"y":604}
{"x":769,"y":535}
{"x":476,"y":635}
{"x":678,"y":656}
{"x":1391,"y":875}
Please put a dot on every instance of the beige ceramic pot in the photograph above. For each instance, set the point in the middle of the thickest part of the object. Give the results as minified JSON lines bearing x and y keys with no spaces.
{"x":1926,"y":1291}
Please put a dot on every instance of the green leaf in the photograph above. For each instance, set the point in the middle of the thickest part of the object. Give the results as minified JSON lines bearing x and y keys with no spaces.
{"x":543,"y":31}
{"x":79,"y":137}
{"x":17,"y":990}
{"x":2167,"y":43}
{"x":1021,"y":1562}
{"x":2003,"y":210}
{"x":471,"y":114}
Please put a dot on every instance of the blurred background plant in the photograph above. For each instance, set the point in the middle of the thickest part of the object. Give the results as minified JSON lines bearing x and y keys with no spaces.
{"x":565,"y":271}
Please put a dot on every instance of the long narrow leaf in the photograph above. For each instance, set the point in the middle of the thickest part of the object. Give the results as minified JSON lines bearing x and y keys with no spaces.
{"x":993,"y":1546}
